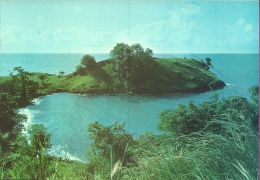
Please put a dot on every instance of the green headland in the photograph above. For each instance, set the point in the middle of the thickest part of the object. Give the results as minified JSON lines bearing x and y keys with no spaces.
{"x":130,"y":70}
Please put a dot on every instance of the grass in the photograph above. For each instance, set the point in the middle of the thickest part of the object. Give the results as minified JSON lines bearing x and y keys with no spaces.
{"x":202,"y":156}
{"x":185,"y":74}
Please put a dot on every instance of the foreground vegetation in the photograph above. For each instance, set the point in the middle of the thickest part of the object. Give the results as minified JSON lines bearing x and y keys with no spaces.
{"x":217,"y":139}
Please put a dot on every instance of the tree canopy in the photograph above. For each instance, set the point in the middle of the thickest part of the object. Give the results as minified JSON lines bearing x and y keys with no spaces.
{"x":28,"y":87}
{"x":131,"y":63}
{"x":87,"y":64}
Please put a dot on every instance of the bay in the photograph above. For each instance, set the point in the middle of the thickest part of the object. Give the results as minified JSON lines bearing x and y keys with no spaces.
{"x":66,"y":116}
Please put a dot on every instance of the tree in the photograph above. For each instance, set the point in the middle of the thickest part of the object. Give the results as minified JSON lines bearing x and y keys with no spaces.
{"x":24,"y":78}
{"x":132,"y":64}
{"x":87,"y":65}
{"x":10,"y":120}
{"x":61,"y":73}
{"x":89,"y":62}
{"x":121,"y":51}
{"x":28,"y":87}
{"x":208,"y":63}
{"x":39,"y":137}
{"x":42,"y":77}
{"x":122,"y":55}
{"x":149,"y":52}
{"x":107,"y":139}
{"x":10,"y":87}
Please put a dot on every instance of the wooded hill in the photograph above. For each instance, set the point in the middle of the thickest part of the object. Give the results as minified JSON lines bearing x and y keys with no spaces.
{"x":131,"y":69}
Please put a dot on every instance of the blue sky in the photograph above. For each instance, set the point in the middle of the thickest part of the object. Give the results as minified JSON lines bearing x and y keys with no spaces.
{"x":31,"y":26}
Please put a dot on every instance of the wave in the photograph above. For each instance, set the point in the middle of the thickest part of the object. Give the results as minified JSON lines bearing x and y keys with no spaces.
{"x":37,"y":101}
{"x":29,"y":114}
{"x":58,"y":151}
{"x":230,"y":85}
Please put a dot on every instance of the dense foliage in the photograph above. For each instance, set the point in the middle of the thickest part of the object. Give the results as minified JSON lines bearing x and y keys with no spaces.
{"x":133,"y":69}
{"x":216,"y":139}
{"x":87,"y":65}
{"x":133,"y":64}
{"x":107,"y":139}
{"x":20,"y":158}
{"x":208,"y":116}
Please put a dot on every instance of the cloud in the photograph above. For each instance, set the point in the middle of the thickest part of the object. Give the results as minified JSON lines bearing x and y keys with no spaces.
{"x":13,"y":34}
{"x":189,"y":9}
{"x":77,"y":8}
{"x":241,"y":21}
{"x":41,"y":20}
{"x":73,"y":39}
{"x":164,"y":35}
{"x":248,"y":27}
{"x":180,"y":30}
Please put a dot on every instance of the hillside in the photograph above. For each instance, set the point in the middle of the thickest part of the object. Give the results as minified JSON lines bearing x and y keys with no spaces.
{"x":163,"y":76}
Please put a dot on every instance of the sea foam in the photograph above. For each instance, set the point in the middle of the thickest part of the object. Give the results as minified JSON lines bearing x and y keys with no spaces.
{"x":59,"y":151}
{"x":37,"y":101}
{"x":29,"y":114}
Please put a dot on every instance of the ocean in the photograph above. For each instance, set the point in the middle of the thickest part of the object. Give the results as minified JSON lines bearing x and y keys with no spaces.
{"x":66,"y":116}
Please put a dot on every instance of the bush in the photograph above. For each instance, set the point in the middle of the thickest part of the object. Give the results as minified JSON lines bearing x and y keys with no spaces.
{"x":208,"y":116}
{"x":110,"y":138}
{"x":110,"y":145}
{"x":87,"y":65}
{"x":39,"y":138}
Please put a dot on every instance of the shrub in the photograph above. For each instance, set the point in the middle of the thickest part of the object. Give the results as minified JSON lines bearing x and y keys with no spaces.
{"x":110,"y":138}
{"x":207,"y":115}
{"x":110,"y":145}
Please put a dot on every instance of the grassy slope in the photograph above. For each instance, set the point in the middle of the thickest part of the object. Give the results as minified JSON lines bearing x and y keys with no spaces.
{"x":186,"y":75}
{"x":170,"y":76}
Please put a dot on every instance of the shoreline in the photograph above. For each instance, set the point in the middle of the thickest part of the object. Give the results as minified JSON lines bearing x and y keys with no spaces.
{"x":60,"y":152}
{"x":55,"y":151}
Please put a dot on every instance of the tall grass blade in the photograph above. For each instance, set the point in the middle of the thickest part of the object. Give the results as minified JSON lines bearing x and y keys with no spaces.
{"x":117,"y":166}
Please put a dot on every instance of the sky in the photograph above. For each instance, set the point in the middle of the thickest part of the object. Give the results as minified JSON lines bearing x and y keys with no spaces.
{"x":95,"y":26}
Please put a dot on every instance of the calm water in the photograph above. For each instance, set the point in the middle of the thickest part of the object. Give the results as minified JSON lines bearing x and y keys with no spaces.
{"x":49,"y":63}
{"x":67,"y":116}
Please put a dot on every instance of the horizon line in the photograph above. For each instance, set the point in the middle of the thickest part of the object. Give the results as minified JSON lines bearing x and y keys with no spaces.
{"x":109,"y":53}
